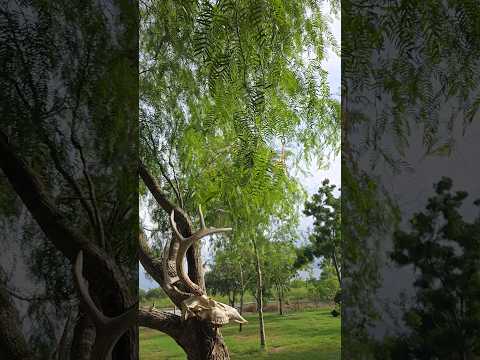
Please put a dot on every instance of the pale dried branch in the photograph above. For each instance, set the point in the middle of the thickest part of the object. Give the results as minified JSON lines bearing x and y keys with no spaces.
{"x":184,"y":244}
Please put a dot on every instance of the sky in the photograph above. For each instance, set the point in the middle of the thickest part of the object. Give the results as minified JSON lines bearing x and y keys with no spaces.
{"x":314,"y":176}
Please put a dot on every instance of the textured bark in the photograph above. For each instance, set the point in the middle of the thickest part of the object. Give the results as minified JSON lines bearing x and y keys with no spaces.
{"x":13,"y":345}
{"x":83,"y":338}
{"x":104,"y":276}
{"x":198,"y":339}
{"x":202,"y":342}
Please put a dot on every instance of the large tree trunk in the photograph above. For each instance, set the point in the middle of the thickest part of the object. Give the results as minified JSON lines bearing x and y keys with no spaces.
{"x":263,"y":340}
{"x":202,"y":342}
{"x":197,"y":338}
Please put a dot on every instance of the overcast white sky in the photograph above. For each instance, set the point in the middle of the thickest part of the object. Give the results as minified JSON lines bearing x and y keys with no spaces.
{"x":315,"y":176}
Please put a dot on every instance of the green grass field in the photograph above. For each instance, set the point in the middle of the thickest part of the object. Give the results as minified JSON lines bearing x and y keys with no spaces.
{"x":308,"y":335}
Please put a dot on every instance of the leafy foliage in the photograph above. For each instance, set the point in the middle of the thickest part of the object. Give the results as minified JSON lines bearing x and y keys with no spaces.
{"x":325,"y":241}
{"x":444,"y":248}
{"x":68,"y":96}
{"x":228,"y":102}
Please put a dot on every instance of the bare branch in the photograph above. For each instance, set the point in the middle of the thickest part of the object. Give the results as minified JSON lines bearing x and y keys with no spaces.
{"x":91,"y":190}
{"x":153,"y":266}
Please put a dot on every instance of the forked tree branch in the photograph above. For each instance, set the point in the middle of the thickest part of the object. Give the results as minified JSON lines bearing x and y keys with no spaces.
{"x":101,"y":267}
{"x":183,"y":222}
{"x":108,"y":329}
{"x":186,"y":243}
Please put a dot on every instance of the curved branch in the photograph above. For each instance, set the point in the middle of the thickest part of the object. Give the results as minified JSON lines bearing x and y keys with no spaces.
{"x":152,"y":266}
{"x":185,"y":244}
{"x":183,"y":220}
{"x":108,"y":329}
{"x":184,"y":223}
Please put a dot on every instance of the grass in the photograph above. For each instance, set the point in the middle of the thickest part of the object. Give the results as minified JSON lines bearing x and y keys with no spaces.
{"x":308,"y":335}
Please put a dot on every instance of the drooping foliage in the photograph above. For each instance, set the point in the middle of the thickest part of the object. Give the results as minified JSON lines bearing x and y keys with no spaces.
{"x":68,"y":97}
{"x":409,"y":85}
{"x":233,"y":94}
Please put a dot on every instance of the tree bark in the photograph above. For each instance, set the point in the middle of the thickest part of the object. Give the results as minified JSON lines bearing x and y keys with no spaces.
{"x":197,"y":338}
{"x":83,"y":338}
{"x":105,"y":278}
{"x":280,"y":301}
{"x":337,"y":268}
{"x":263,"y":340}
{"x":13,"y":345}
{"x":242,"y":292}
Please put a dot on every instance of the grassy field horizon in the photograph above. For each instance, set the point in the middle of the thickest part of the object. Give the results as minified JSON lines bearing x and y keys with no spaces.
{"x":304,"y":335}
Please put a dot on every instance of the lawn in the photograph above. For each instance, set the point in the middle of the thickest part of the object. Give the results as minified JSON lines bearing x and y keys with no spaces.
{"x":308,"y":335}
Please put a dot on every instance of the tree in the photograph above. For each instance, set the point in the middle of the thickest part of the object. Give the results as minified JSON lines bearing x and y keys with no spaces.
{"x":222,"y":279}
{"x":227,"y":109}
{"x":444,"y":249}
{"x":327,"y":287}
{"x":391,"y":87}
{"x":279,"y":268}
{"x":325,"y":241}
{"x":67,"y":109}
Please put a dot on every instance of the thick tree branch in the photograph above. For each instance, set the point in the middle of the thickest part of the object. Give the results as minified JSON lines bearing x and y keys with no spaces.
{"x":101,"y":268}
{"x":155,"y":189}
{"x":163,"y":321}
{"x":195,"y":270}
{"x":151,"y":265}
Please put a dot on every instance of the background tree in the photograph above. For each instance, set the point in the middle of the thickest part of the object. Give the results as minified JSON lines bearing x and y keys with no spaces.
{"x":230,"y":104}
{"x":444,"y":249}
{"x":325,"y":240}
{"x":279,"y":268}
{"x":327,"y":286}
{"x":224,"y":277}
{"x":403,"y":90}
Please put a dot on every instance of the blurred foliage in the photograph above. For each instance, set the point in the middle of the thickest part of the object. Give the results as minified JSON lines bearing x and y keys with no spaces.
{"x":409,"y":78}
{"x":444,"y":249}
{"x":68,"y":107}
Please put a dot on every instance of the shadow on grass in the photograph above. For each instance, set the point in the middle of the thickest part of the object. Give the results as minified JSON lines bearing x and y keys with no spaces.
{"x":309,"y":335}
